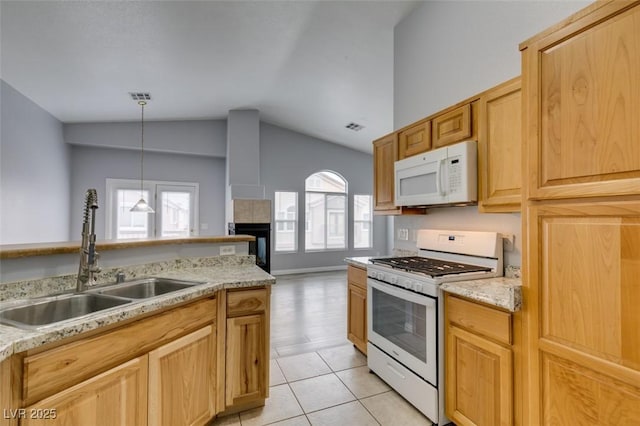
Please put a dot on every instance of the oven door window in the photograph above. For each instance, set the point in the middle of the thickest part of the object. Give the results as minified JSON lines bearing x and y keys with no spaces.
{"x":401,"y":322}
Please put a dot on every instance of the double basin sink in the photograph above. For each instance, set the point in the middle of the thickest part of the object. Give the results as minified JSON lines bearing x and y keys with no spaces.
{"x":49,"y":310}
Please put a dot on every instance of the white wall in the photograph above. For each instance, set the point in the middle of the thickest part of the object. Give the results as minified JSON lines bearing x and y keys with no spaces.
{"x":91,"y":167}
{"x":446,"y":51}
{"x":34,"y":172}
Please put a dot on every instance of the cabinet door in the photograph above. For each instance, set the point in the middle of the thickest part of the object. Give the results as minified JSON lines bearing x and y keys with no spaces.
{"x":182,"y":380}
{"x":499,"y":148}
{"x":357,"y":317}
{"x":384,"y":155}
{"x":247,"y":357}
{"x":117,"y":397}
{"x":582,"y":116}
{"x":414,"y":140}
{"x":452,"y":126}
{"x":583,"y":267}
{"x":479,"y":380}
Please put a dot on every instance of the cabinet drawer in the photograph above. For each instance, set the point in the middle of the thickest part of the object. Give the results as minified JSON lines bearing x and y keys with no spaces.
{"x":51,"y":371}
{"x":357,"y":276}
{"x":246,"y":302}
{"x":483,"y":320}
{"x":453,"y":126}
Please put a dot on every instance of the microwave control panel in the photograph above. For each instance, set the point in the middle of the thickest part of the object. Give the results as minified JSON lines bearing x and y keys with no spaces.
{"x":455,"y":174}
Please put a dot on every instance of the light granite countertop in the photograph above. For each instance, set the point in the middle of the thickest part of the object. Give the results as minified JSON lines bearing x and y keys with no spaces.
{"x":501,"y":292}
{"x":215,"y":276}
{"x":360,"y":261}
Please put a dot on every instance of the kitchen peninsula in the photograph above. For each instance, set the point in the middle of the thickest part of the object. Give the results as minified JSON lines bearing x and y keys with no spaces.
{"x":214,"y":333}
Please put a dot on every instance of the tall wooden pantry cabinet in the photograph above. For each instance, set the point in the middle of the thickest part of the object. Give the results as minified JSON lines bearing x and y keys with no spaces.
{"x":581,"y":218}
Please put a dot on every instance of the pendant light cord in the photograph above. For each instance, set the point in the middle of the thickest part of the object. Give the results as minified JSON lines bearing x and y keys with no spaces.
{"x":142,"y":104}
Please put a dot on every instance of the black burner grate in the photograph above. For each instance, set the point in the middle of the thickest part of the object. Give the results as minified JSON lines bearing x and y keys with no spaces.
{"x":425,"y":265}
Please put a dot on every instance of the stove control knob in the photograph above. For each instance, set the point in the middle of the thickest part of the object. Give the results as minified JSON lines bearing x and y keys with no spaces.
{"x":393,"y":280}
{"x":373,"y":274}
{"x":418,"y":287}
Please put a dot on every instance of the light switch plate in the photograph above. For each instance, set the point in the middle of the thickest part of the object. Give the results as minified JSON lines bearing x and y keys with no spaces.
{"x":403,"y":234}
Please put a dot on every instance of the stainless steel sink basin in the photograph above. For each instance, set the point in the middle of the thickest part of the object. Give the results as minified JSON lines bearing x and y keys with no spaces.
{"x":146,"y":288}
{"x":55,"y":309}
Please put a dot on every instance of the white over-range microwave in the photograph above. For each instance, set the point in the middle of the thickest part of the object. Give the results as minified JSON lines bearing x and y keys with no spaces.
{"x":447,"y":175}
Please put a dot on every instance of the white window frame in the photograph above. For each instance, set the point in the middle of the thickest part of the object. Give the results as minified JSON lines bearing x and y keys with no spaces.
{"x":370,"y":221}
{"x":344,"y":194}
{"x":113,"y":185}
{"x":286,"y":221}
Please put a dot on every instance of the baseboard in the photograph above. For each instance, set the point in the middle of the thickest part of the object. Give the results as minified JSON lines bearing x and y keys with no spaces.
{"x":309,"y":270}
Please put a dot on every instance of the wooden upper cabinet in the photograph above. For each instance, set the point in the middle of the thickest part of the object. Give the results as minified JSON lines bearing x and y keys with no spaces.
{"x":582,"y":118}
{"x":452,"y":126}
{"x":385,"y":153}
{"x":499,"y":148}
{"x":414,"y":140}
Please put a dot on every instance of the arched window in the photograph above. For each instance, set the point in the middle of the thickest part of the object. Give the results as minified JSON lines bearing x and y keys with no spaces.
{"x":325,"y":212}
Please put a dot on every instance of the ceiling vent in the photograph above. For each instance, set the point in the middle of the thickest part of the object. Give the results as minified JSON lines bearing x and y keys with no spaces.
{"x":140,"y":96}
{"x":354,"y":126}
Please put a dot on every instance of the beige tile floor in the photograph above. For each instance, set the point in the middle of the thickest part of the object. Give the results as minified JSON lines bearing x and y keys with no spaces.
{"x":331,"y":386}
{"x":316,"y":375}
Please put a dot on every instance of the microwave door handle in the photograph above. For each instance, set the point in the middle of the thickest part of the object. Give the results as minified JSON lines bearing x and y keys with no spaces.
{"x":441,"y":188}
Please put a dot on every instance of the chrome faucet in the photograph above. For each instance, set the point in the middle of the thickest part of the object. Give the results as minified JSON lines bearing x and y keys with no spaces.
{"x":88,"y":255}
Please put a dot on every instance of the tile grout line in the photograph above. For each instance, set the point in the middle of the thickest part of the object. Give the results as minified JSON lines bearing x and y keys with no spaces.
{"x":358,"y":399}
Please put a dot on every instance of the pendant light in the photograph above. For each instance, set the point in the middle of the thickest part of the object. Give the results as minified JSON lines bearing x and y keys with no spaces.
{"x":141,"y":205}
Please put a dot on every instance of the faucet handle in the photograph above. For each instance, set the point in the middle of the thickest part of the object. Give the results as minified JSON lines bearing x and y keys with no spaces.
{"x":120,"y":277}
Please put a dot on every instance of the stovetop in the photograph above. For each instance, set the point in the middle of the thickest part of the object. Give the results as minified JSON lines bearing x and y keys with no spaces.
{"x":428,"y":266}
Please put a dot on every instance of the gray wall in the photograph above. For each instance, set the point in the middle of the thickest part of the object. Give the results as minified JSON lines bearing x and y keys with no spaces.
{"x":446,"y":51}
{"x":287,"y":158}
{"x":194,"y":137}
{"x":34,"y":172}
{"x":91,"y":166}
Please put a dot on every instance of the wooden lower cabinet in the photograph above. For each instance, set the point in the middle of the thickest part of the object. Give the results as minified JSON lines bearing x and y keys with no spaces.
{"x":247,"y":347}
{"x":247,"y":356}
{"x":583,"y":264}
{"x":182,"y":380}
{"x":357,"y":307}
{"x":479,"y":364}
{"x":117,"y":397}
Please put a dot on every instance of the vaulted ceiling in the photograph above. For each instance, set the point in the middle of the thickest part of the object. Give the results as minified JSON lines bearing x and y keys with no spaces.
{"x":310,"y":66}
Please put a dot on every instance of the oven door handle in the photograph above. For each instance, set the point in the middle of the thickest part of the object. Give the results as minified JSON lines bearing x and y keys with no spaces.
{"x":421,"y":299}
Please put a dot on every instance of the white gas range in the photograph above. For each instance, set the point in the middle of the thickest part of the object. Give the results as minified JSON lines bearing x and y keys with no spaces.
{"x":405,"y":310}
